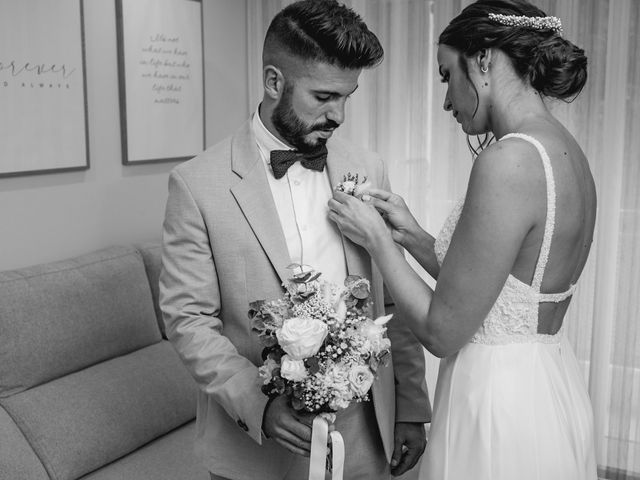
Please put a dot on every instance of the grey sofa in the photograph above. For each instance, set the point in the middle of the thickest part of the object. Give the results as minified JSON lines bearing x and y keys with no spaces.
{"x":89,"y":387}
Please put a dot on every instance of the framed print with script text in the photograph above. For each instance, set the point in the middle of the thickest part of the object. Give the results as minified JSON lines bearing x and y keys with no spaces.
{"x":43,"y":123}
{"x":161,"y":79}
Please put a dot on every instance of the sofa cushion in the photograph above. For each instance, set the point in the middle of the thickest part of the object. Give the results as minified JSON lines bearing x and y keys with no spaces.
{"x":152,"y":257}
{"x":17,"y":458}
{"x":85,"y":420}
{"x":170,"y":457}
{"x":62,"y":317}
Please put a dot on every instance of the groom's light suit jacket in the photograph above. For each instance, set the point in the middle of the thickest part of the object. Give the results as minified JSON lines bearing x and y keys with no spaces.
{"x":223,"y":248}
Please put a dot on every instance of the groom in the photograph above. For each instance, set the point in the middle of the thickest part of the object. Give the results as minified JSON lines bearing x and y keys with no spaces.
{"x":237,"y":215}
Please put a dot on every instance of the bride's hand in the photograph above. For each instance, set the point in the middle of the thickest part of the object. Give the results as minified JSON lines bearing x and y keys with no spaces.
{"x":358,"y":220}
{"x":394,"y":210}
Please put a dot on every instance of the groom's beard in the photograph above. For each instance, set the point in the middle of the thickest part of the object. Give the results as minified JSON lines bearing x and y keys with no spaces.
{"x":295,"y":130}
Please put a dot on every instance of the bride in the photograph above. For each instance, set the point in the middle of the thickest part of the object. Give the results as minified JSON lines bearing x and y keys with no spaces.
{"x":510,"y":401}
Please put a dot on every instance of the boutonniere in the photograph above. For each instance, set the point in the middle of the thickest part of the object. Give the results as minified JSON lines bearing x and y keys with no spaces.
{"x":352,"y":184}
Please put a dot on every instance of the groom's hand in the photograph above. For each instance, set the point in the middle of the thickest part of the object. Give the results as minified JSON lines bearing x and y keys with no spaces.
{"x":287,"y":427}
{"x":409,"y":444}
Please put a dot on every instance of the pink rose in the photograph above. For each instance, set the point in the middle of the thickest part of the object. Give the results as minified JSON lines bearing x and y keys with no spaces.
{"x":360,"y":379}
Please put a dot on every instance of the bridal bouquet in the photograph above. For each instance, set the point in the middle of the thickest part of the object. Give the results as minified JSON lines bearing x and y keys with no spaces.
{"x":321,"y":349}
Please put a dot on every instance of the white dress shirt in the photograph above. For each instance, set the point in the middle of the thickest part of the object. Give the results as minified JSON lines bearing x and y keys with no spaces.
{"x":301,"y":197}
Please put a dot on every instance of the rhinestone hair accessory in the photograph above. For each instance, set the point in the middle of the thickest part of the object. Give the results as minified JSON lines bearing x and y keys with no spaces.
{"x":537,"y":23}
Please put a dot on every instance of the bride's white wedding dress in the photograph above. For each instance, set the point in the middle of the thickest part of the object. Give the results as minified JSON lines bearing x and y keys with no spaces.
{"x":512,"y":404}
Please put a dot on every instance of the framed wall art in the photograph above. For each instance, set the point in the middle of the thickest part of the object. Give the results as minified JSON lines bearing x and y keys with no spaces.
{"x":42,"y":87}
{"x":161,"y":79}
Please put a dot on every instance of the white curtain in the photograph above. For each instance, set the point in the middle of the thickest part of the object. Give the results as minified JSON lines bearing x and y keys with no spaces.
{"x":397,"y":112}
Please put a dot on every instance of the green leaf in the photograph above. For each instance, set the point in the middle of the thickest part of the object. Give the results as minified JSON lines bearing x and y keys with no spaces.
{"x":302,"y":277}
{"x":315,"y":276}
{"x":297,"y":404}
{"x":313,"y":365}
{"x":269,"y":341}
{"x":256,"y":305}
{"x":351,"y":279}
{"x":279,"y":385}
{"x":360,"y":292}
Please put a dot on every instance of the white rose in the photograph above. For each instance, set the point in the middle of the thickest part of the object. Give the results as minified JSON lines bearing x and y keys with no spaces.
{"x":291,"y":369}
{"x":301,"y":337}
{"x":361,"y":379}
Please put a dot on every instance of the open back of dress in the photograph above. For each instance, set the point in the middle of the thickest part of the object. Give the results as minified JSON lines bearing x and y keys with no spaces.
{"x":512,"y":403}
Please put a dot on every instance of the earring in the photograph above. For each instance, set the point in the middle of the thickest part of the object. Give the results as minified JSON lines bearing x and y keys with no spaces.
{"x":484,"y":69}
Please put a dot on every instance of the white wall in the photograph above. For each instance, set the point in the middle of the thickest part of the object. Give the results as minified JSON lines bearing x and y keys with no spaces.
{"x":54,"y":216}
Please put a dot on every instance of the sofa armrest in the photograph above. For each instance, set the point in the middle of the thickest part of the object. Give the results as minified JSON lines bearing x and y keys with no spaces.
{"x":152,"y":257}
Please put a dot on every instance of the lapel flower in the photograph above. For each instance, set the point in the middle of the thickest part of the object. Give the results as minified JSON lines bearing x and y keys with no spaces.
{"x":353,"y":185}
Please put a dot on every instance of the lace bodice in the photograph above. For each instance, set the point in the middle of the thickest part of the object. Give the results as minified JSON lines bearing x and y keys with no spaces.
{"x":514,"y":316}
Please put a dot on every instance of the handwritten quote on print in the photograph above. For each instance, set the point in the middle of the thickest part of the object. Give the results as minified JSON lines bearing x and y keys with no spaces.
{"x":161,"y":76}
{"x":165,"y":64}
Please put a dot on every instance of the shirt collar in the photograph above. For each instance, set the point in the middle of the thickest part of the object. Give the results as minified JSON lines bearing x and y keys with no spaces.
{"x":266,"y":140}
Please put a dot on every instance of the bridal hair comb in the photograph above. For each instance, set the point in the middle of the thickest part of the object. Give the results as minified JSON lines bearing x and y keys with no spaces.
{"x":537,"y":23}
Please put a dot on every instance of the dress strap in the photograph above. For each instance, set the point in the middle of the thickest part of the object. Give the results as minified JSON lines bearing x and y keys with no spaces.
{"x":557,"y":297}
{"x":550,"y":222}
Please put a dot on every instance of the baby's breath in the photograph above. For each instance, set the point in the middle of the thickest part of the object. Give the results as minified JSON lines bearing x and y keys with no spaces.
{"x":314,"y":307}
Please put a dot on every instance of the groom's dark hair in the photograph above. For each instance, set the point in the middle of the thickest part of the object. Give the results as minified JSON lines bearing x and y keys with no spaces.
{"x":323,"y":31}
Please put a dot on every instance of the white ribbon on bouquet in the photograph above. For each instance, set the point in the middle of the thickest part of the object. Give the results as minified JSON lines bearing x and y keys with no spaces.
{"x":318,"y":461}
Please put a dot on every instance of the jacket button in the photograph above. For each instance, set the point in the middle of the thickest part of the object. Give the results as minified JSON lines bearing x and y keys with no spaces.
{"x":242,"y":425}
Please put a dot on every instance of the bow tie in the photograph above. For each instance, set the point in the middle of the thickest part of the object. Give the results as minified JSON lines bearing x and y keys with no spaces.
{"x":281,"y":160}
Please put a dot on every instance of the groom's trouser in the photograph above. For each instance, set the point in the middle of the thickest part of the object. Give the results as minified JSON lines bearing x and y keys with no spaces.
{"x":364,"y":454}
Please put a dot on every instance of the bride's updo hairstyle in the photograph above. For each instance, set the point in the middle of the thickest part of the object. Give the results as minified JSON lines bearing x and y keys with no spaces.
{"x":554,"y":66}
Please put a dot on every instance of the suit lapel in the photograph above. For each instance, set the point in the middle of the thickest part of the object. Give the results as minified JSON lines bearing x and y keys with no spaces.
{"x":254,"y":198}
{"x":339,"y":163}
